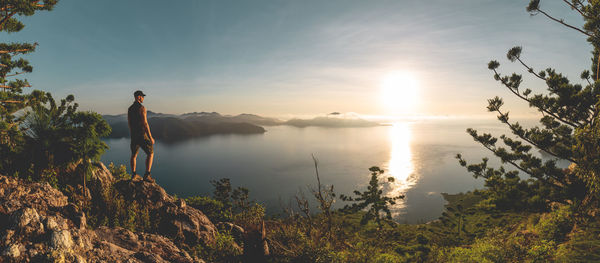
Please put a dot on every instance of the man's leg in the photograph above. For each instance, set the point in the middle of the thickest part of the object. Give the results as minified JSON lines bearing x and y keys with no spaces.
{"x":149,"y":159}
{"x":134,"y":152}
{"x":149,"y":149}
{"x":133,"y":157}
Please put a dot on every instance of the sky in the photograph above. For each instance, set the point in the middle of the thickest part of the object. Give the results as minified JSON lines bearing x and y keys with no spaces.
{"x":284,"y":58}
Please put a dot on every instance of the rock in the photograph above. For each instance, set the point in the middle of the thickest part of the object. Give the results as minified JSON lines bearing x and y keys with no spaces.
{"x":74,"y":213}
{"x":7,"y":236}
{"x":120,"y":237}
{"x":147,"y":257}
{"x":38,"y":224}
{"x":24,"y":217}
{"x":80,"y":259}
{"x":181,"y":203}
{"x":145,"y":244}
{"x":61,"y":240}
{"x":51,"y":224}
{"x":13,"y":251}
{"x":102,"y":174}
{"x":177,"y":220}
{"x":18,"y":194}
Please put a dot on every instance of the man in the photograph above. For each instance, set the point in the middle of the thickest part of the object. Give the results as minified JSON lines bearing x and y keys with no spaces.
{"x":140,"y":135}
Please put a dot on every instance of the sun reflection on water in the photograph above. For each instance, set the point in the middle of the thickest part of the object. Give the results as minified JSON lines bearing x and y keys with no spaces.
{"x":401,"y":163}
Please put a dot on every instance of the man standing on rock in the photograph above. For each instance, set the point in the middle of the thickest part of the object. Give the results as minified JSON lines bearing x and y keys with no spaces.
{"x":140,"y":135}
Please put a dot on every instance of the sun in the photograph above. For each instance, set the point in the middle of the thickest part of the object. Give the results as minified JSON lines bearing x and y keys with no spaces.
{"x":399,"y":92}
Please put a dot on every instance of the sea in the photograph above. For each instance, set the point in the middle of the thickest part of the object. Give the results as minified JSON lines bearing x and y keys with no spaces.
{"x":278,"y":165}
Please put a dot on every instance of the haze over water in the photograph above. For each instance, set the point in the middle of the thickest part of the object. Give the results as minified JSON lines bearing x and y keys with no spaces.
{"x":275,"y":165}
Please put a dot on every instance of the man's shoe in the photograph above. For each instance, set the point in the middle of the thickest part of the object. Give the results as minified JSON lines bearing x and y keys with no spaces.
{"x":148,"y":177}
{"x":136,"y":177}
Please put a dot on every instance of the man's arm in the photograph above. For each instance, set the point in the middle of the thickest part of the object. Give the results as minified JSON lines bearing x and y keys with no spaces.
{"x":146,"y":126}
{"x":129,"y":123}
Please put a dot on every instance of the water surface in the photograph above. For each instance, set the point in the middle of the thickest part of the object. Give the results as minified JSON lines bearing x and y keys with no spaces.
{"x":275,"y":165}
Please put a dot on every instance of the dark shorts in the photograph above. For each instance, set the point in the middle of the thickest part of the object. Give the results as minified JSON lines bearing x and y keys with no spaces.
{"x":141,"y":142}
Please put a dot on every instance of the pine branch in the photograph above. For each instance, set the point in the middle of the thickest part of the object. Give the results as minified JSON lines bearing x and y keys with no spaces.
{"x":6,"y":8}
{"x":18,"y":73}
{"x":576,"y":8}
{"x":494,"y":150}
{"x":565,"y":24}
{"x":530,"y":173}
{"x":6,"y":18}
{"x":514,"y":130}
{"x":528,"y":100}
{"x":14,"y":51}
{"x":530,"y":69}
{"x":9,"y":87}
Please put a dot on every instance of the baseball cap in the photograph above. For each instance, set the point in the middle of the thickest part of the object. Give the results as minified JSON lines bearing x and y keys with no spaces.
{"x":139,"y":93}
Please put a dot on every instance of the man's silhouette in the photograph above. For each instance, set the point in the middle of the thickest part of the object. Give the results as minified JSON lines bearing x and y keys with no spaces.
{"x":140,"y":135}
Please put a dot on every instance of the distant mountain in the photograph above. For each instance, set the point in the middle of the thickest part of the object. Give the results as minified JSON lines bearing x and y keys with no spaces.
{"x":242,"y":118}
{"x":194,"y":124}
{"x":171,"y":127}
{"x":336,"y":120}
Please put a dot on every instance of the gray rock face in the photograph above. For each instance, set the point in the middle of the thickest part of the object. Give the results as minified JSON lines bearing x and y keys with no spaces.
{"x":37,"y":224}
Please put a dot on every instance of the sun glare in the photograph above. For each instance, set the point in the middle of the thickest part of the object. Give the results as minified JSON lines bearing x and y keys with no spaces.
{"x":399,"y":92}
{"x":401,"y":165}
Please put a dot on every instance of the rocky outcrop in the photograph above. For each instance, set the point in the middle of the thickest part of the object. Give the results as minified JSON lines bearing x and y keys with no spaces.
{"x":177,"y":220}
{"x":38,"y":224}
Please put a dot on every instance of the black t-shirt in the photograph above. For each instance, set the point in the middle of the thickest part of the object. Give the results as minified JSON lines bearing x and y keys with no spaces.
{"x":136,"y":120}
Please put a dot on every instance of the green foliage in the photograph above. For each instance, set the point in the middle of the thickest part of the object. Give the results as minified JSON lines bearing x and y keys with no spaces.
{"x":110,"y":208}
{"x":12,"y":98}
{"x":9,"y":23}
{"x":556,"y":225}
{"x":231,"y":198}
{"x":582,"y":246}
{"x":224,"y":249}
{"x":315,"y":254}
{"x":213,"y":209}
{"x":373,"y":199}
{"x":251,"y":216}
{"x":542,"y":251}
{"x":455,"y":217}
{"x":227,"y":204}
{"x":119,"y":172}
{"x":58,"y":134}
{"x":507,"y":191}
{"x":568,"y":130}
{"x":50,"y":176}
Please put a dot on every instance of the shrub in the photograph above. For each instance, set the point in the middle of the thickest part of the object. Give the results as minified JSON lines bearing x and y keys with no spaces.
{"x":556,"y":225}
{"x":119,"y":172}
{"x":224,"y":249}
{"x":212,"y":208}
{"x":542,"y":251}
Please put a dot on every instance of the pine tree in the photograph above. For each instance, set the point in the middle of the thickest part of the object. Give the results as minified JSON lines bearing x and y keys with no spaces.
{"x":374,"y":199}
{"x":12,"y":98}
{"x":569,"y":128}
